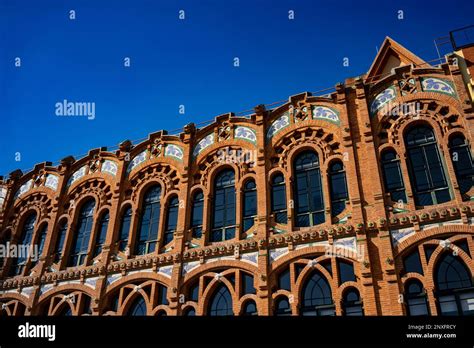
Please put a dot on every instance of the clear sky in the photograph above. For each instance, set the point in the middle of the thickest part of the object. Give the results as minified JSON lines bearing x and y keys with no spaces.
{"x":186,"y":62}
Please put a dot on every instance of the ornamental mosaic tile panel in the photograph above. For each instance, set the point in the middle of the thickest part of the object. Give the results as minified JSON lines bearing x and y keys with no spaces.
{"x":250,"y":257}
{"x":307,"y":245}
{"x":349,"y":243}
{"x":77,"y":175}
{"x":432,"y":84}
{"x":27,"y":291}
{"x":189,"y":266}
{"x":45,"y":288}
{"x":399,"y":235}
{"x":245,"y":133}
{"x":280,"y":123}
{"x":343,"y":220}
{"x":382,"y":99}
{"x":24,"y":188}
{"x":326,"y":114}
{"x":202,"y":144}
{"x":52,"y":181}
{"x":220,"y":258}
{"x":429,"y":226}
{"x":174,"y":151}
{"x":91,"y":282}
{"x":166,"y":270}
{"x":275,"y":254}
{"x":140,"y":158}
{"x":109,"y":167}
{"x":113,"y":278}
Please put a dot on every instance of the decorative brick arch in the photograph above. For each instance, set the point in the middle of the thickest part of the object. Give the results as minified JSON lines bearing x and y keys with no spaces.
{"x":301,"y":253}
{"x":52,"y":301}
{"x":431,"y":234}
{"x":210,"y":290}
{"x":165,"y":176}
{"x":136,"y":283}
{"x":313,"y":139}
{"x":14,"y":305}
{"x":228,"y":264}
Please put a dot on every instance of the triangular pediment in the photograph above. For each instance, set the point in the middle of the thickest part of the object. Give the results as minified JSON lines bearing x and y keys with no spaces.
{"x":392,"y":55}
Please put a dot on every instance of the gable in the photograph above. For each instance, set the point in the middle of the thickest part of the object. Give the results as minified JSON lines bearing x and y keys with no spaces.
{"x":391,"y":55}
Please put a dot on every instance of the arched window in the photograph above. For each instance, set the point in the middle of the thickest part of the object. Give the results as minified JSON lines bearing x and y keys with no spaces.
{"x":462,"y":162}
{"x":247,"y":284}
{"x":454,"y":288}
{"x":149,"y":221}
{"x":309,"y":201}
{"x":138,"y":308}
{"x":412,"y":263}
{"x":162,"y":292}
{"x":171,"y":220}
{"x":58,"y":249}
{"x":250,"y":308}
{"x":416,"y":299}
{"x":249,"y":210}
{"x":125,"y":228}
{"x":19,"y":262}
{"x":221,"y":302}
{"x":80,"y":243}
{"x":194,"y":292}
{"x":279,"y":199}
{"x":392,"y":176}
{"x":101,"y":233}
{"x":338,"y":188}
{"x":427,"y":174}
{"x":346,"y":271}
{"x":66,"y":311}
{"x":284,"y":281}
{"x":282,"y":307}
{"x":317,"y":297}
{"x":352,"y":305}
{"x":197,"y":214}
{"x":189,"y":312}
{"x":41,"y":240}
{"x":223,"y":220}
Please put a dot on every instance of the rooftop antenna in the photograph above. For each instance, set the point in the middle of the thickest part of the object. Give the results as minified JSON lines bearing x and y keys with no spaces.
{"x":440,"y":44}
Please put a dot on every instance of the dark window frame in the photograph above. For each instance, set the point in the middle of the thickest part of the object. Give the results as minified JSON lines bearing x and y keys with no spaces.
{"x":149,"y":224}
{"x":224,"y":190}
{"x":390,"y":162}
{"x":278,"y":198}
{"x":308,"y":190}
{"x":421,"y":145}
{"x":337,"y":173}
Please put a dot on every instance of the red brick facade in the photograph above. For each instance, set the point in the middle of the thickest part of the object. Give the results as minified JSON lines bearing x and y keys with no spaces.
{"x":346,"y":125}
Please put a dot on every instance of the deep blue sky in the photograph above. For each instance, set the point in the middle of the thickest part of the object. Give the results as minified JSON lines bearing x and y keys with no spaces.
{"x":186,"y":62}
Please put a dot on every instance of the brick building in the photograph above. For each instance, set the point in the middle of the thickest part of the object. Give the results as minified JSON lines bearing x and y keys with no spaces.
{"x":358,"y":202}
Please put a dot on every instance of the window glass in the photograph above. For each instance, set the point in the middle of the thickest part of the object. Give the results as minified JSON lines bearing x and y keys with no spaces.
{"x":427,"y":174}
{"x":82,"y":234}
{"x":149,"y":221}
{"x":412,"y":263}
{"x":309,"y":203}
{"x":278,"y":199}
{"x":125,"y":228}
{"x":223,"y":218}
{"x":338,"y":188}
{"x":197,"y":214}
{"x":346,"y":272}
{"x":171,"y":220}
{"x":221,"y":302}
{"x":392,"y":175}
{"x":461,"y":157}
